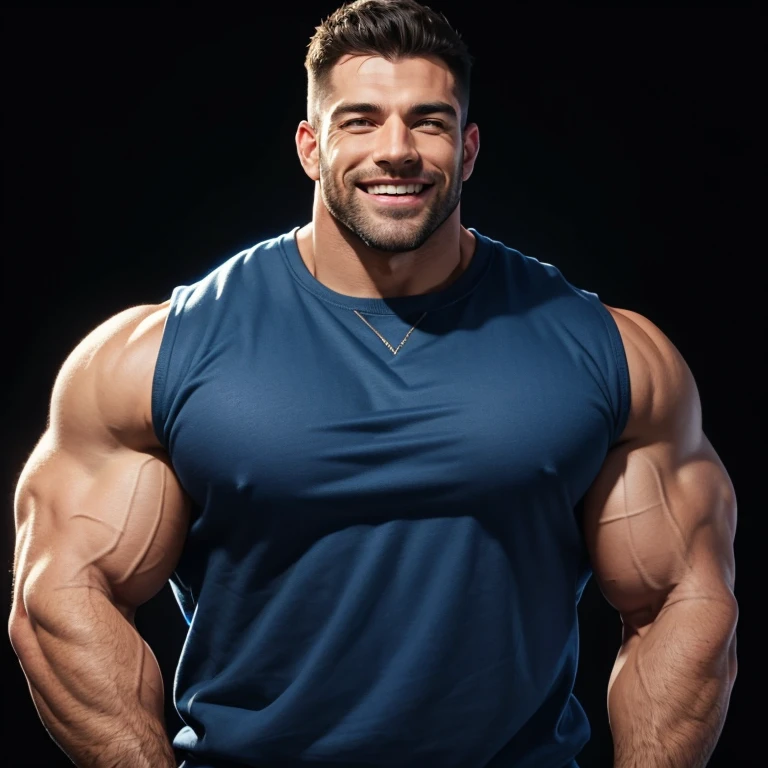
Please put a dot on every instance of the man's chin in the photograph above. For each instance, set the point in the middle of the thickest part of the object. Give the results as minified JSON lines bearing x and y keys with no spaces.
{"x":391,"y":244}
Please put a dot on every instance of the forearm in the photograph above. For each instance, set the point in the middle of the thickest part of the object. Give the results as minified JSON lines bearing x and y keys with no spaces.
{"x":669,"y":693}
{"x":95,"y":682}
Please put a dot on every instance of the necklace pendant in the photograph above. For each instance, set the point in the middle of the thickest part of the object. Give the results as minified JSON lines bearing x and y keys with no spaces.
{"x":393,"y":350}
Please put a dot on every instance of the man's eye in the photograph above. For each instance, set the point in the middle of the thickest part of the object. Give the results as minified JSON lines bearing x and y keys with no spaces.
{"x":362,"y":121}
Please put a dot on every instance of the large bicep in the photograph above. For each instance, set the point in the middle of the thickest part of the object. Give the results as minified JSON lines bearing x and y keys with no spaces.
{"x":117,"y":525}
{"x":660,"y":517}
{"x":97,"y":505}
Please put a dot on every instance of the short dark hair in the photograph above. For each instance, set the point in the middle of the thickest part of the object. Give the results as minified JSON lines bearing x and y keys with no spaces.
{"x":392,"y":29}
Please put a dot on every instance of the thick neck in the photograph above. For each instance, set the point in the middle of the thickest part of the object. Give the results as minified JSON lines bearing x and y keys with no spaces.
{"x":341,"y":262}
{"x":480,"y":250}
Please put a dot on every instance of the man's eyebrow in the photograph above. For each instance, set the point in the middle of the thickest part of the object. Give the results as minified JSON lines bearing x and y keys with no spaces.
{"x":365,"y":107}
{"x":432,"y":108}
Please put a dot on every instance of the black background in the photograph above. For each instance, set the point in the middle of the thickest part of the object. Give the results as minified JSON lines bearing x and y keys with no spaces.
{"x":143,"y":147}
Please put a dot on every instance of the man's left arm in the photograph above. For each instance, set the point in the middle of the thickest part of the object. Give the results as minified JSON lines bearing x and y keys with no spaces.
{"x":659,"y":524}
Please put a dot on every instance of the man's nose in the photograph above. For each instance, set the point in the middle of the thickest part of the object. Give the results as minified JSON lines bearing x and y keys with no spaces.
{"x":394,"y":144}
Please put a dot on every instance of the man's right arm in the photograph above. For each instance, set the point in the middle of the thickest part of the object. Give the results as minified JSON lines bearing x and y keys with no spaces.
{"x":100,"y":525}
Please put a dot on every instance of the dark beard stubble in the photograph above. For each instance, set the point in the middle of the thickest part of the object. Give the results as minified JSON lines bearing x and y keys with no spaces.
{"x":393,"y":230}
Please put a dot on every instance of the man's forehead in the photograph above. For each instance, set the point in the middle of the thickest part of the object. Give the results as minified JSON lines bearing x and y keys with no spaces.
{"x":360,"y":72}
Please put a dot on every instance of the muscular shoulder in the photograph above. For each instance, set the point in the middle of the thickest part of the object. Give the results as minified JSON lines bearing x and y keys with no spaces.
{"x":103,"y":392}
{"x":665,"y":400}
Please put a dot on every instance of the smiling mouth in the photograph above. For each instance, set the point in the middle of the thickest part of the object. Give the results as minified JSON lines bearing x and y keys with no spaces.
{"x":395,"y":191}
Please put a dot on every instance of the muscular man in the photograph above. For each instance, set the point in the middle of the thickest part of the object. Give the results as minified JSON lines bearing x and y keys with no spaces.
{"x":359,"y":452}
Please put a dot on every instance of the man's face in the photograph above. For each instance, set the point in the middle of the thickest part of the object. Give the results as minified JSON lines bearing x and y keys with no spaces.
{"x":393,"y":123}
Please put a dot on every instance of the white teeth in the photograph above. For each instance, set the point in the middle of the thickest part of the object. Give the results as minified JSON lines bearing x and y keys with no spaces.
{"x":392,"y":189}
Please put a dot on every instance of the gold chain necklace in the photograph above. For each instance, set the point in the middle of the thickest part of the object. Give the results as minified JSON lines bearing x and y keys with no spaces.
{"x":388,"y":345}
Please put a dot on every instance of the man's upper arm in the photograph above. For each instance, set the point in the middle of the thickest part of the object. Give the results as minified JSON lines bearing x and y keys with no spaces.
{"x":97,"y":505}
{"x":661,"y":515}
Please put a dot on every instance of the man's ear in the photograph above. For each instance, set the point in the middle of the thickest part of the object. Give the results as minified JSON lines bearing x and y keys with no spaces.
{"x":308,"y":150}
{"x":471,"y":146}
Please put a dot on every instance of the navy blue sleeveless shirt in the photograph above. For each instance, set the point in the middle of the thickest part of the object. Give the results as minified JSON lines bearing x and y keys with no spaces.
{"x":385,"y":556}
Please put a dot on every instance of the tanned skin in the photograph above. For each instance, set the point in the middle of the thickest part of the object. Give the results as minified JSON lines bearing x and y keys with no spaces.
{"x":101,"y":519}
{"x":659,"y":523}
{"x":100,"y":525}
